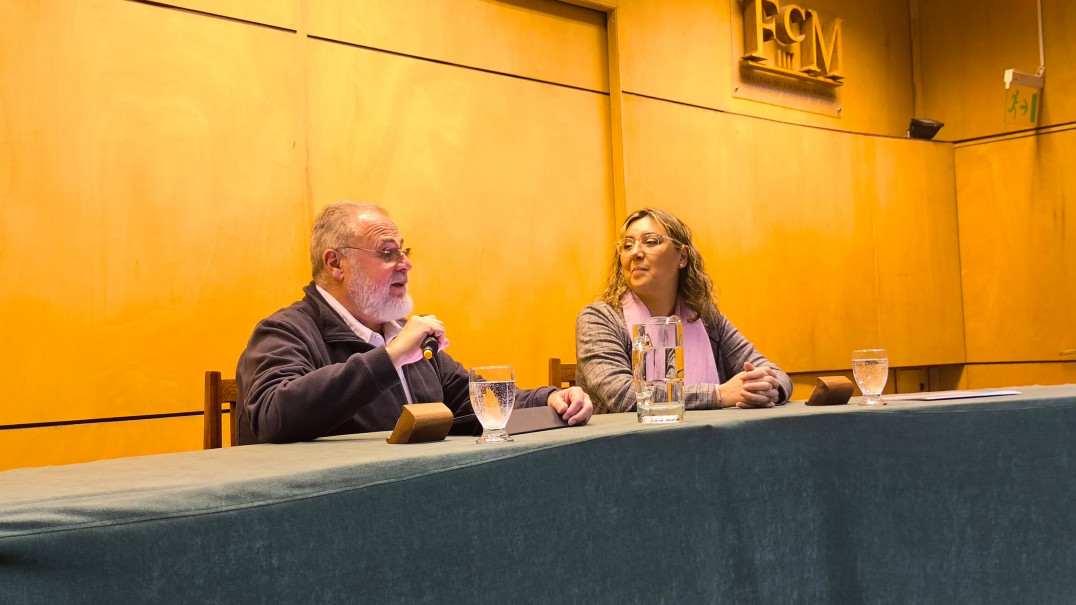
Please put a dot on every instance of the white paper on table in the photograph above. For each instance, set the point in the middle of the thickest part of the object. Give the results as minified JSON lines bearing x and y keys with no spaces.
{"x":939,"y":395}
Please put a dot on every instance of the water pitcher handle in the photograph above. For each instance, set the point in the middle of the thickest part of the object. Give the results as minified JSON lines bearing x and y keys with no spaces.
{"x":640,"y":345}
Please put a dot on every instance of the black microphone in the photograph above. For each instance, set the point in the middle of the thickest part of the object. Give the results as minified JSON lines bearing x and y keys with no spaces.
{"x":429,"y":346}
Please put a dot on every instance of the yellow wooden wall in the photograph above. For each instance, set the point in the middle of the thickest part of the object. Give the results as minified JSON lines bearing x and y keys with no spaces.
{"x":160,"y":167}
{"x":1018,"y":217}
{"x":682,"y":51}
{"x":1015,"y":192}
{"x":802,"y":226}
{"x":152,"y":209}
{"x":968,"y":44}
{"x":502,"y":185}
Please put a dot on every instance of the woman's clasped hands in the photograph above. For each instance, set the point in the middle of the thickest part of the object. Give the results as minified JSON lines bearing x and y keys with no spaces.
{"x":751,"y":388}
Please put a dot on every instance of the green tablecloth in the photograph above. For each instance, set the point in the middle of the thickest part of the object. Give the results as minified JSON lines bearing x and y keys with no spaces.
{"x":965,"y":501}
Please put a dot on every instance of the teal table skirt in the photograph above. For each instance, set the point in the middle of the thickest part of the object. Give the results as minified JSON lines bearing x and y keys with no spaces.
{"x":970,"y":501}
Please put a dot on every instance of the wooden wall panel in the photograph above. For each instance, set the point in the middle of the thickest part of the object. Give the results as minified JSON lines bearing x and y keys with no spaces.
{"x":1058,"y":101}
{"x":1018,"y":255}
{"x":541,"y":39}
{"x":151,"y":204}
{"x":76,"y":443}
{"x":782,"y":240}
{"x":682,"y":51}
{"x":820,"y":242}
{"x":968,"y":44}
{"x":278,"y":13}
{"x":911,"y":380}
{"x":501,"y":185}
{"x":947,"y":377}
{"x":1000,"y":375}
{"x":920,"y":316}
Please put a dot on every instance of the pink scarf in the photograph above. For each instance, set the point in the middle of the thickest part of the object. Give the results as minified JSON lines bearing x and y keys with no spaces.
{"x":699,"y":363}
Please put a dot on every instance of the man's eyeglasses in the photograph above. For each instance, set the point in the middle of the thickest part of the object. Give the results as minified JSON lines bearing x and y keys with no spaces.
{"x":391,"y":256}
{"x":650,"y":242}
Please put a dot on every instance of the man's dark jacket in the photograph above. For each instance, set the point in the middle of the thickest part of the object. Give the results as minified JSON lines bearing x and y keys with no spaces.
{"x":305,"y":374}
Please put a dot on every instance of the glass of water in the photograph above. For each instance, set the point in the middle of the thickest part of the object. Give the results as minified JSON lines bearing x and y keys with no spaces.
{"x":871,"y":369}
{"x":493,"y":395}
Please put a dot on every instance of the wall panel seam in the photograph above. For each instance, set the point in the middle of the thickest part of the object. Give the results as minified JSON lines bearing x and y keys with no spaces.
{"x":784,"y":122}
{"x":213,"y":15}
{"x":451,"y":64}
{"x":1020,"y":134}
{"x":106,"y":419}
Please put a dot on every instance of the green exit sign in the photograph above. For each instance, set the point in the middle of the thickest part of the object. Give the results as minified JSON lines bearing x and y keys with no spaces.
{"x":1022,"y":105}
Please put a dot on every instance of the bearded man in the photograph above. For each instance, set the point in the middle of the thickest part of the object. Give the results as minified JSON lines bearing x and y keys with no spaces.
{"x":341,"y":360}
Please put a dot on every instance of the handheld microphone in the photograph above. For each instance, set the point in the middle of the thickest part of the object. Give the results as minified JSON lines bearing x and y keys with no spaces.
{"x":429,"y":346}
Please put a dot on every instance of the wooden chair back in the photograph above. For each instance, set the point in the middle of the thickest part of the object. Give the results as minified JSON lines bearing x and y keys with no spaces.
{"x":220,"y":395}
{"x":561,"y":373}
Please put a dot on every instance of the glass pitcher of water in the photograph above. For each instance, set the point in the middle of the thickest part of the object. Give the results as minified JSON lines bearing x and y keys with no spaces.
{"x":657,"y":365}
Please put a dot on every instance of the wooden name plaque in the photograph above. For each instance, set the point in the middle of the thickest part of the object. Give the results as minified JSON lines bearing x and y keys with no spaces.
{"x":422,"y":422}
{"x":831,"y":390}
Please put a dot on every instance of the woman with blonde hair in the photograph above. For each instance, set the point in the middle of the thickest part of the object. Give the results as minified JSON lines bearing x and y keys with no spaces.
{"x":658,"y":271}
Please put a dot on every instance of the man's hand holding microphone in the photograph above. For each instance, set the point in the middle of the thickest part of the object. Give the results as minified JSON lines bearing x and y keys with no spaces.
{"x":421,"y":334}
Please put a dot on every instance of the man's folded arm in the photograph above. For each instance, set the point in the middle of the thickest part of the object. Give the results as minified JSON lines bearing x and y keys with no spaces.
{"x":288,"y":400}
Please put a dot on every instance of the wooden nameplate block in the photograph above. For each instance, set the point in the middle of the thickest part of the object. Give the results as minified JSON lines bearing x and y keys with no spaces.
{"x":831,"y":390}
{"x":422,"y":422}
{"x":530,"y":420}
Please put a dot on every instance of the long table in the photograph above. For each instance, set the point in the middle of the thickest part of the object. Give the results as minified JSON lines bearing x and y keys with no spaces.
{"x":962,"y":501}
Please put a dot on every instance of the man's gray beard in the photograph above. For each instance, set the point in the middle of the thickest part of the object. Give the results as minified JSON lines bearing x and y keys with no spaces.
{"x":376,"y":302}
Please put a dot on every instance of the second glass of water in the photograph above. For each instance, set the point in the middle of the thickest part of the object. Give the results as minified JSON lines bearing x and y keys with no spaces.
{"x":493,"y":395}
{"x":657,"y":365}
{"x":871,"y":369}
